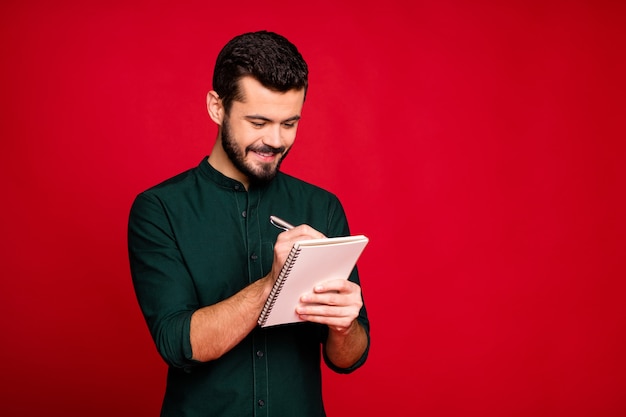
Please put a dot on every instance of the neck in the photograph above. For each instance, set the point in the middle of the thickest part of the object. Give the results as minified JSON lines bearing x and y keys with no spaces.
{"x":222,"y":163}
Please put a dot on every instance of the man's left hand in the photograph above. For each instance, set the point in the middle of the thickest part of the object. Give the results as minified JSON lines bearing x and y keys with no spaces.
{"x":335,"y":303}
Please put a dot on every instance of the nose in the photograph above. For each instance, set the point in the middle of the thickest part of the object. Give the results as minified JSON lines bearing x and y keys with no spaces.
{"x":273,"y":137}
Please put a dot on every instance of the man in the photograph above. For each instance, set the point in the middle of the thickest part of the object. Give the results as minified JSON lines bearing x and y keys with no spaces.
{"x":204,"y":255}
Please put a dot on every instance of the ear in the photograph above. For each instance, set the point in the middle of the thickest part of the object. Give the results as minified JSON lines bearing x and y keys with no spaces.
{"x":215,"y":107}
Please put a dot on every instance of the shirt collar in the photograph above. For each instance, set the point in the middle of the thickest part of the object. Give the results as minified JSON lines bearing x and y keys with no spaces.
{"x":217,"y":177}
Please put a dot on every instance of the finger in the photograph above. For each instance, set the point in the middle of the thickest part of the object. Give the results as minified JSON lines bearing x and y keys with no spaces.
{"x":337,"y":285}
{"x":327,"y":310}
{"x":331,"y":316}
{"x":332,"y":299}
{"x":303,"y":231}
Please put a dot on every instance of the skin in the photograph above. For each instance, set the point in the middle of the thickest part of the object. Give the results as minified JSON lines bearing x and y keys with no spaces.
{"x":265,"y":119}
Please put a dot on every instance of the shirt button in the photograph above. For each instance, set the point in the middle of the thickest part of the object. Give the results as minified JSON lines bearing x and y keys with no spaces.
{"x":259,"y":353}
{"x":243,"y":213}
{"x":237,"y":187}
{"x":254,"y":257}
{"x":261,"y":403}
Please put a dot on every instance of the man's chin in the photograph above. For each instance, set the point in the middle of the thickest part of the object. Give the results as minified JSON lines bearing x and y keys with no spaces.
{"x":263,"y":177}
{"x":262,"y":174}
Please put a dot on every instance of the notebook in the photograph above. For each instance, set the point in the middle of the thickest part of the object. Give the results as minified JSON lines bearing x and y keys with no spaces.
{"x":309,"y":263}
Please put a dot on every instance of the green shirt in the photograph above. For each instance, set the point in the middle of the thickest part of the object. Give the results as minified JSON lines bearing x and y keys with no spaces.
{"x":199,"y":238}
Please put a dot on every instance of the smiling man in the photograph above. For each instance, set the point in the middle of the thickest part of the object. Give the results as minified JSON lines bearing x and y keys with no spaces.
{"x":265,"y":123}
{"x":204,"y":255}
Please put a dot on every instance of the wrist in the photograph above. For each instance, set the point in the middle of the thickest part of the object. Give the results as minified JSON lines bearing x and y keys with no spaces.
{"x":341,"y":331}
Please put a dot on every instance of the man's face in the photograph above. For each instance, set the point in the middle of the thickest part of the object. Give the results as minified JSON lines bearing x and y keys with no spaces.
{"x":259,"y":131}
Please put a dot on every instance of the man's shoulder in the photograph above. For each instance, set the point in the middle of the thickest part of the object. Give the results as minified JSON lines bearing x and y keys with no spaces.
{"x":173,"y":184}
{"x":297,"y":185}
{"x":313,"y":205}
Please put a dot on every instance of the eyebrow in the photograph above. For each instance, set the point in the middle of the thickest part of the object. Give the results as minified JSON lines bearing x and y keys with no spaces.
{"x":266,"y":119}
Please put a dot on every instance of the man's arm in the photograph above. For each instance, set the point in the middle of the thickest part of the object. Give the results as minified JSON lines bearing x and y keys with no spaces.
{"x":345,"y":349}
{"x":216,"y":329}
{"x":337,"y":304}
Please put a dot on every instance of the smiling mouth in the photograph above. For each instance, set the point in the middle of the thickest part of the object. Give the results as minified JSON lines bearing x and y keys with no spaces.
{"x":267,"y":152}
{"x":265,"y":156}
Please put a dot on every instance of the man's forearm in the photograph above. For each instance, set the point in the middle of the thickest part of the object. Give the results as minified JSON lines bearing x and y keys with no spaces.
{"x":345,"y":348}
{"x":218,"y":328}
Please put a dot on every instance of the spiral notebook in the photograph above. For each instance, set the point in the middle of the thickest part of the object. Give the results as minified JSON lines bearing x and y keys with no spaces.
{"x":309,"y":263}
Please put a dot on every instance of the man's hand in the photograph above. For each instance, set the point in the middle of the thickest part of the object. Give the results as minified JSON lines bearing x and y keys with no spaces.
{"x":285,"y":242}
{"x":335,"y":303}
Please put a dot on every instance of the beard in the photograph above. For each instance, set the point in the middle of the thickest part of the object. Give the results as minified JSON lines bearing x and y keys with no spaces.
{"x":257,"y":174}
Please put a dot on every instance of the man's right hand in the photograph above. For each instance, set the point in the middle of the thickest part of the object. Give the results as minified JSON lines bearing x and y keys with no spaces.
{"x":285,"y":242}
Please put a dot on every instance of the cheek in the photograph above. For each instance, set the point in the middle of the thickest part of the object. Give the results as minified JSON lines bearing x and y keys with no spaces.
{"x":245,"y":136}
{"x":289,"y":136}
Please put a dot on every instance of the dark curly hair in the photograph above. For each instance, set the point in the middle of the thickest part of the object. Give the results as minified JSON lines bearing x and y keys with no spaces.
{"x":268,"y":57}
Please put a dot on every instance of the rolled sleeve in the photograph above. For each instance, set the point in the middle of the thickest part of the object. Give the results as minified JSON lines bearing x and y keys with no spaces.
{"x":164,"y":289}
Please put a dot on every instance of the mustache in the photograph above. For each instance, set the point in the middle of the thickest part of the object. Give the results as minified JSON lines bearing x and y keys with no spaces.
{"x":265,"y":149}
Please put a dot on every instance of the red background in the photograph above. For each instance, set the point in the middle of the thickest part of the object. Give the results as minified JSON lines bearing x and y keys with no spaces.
{"x":480,"y":146}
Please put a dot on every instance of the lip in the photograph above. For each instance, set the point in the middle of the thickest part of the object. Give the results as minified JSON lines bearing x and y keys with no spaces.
{"x":265,"y":157}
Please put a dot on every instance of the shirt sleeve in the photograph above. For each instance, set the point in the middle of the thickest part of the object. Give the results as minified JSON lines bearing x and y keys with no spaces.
{"x":338,"y":226}
{"x":162,"y":283}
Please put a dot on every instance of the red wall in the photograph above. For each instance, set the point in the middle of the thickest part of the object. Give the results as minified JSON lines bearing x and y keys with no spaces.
{"x":480,"y":145}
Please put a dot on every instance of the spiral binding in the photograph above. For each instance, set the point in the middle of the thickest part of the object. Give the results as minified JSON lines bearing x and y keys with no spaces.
{"x":278,"y":285}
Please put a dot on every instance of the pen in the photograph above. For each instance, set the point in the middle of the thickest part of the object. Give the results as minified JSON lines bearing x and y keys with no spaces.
{"x":280,"y":223}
